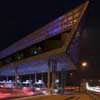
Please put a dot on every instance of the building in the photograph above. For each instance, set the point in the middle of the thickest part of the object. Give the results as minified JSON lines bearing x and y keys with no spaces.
{"x":49,"y":49}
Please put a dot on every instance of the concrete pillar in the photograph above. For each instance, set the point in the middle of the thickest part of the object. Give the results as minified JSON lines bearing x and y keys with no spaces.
{"x":52,"y":63}
{"x":54,"y":69}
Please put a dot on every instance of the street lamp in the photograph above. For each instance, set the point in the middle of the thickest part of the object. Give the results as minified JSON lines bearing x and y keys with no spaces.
{"x":84,"y":65}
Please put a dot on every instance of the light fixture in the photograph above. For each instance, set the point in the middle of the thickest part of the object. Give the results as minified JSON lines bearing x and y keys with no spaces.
{"x":35,"y":52}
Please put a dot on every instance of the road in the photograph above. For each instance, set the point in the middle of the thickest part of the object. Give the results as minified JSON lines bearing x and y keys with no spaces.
{"x":58,"y":97}
{"x":66,"y":96}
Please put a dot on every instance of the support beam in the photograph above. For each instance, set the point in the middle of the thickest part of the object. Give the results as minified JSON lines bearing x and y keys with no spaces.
{"x":42,"y":78}
{"x":16,"y":76}
{"x":49,"y":77}
{"x":35,"y":77}
{"x":7,"y":78}
{"x":54,"y":70}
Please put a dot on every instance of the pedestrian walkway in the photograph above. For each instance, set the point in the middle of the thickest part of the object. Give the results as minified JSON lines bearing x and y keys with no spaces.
{"x":84,"y":97}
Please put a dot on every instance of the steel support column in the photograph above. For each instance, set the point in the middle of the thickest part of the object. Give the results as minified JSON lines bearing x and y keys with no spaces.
{"x":35,"y":77}
{"x":49,"y":83}
{"x":16,"y":76}
{"x":54,"y":69}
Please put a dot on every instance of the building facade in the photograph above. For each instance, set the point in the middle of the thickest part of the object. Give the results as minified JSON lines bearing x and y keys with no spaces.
{"x":52,"y":47}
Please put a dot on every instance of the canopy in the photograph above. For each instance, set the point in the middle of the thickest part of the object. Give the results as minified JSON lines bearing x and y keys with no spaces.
{"x":39,"y":66}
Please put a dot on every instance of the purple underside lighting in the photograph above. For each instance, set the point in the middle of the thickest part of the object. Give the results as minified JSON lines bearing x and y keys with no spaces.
{"x":37,"y":67}
{"x":55,"y":31}
{"x":31,"y":70}
{"x":74,"y":50}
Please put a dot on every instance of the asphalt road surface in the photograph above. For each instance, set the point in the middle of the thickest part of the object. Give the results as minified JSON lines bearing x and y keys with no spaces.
{"x":58,"y":97}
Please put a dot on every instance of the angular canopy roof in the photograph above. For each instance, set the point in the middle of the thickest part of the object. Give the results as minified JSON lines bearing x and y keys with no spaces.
{"x":39,"y":63}
{"x":51,"y":29}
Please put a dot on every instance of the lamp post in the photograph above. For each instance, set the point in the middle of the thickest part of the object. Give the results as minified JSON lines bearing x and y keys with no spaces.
{"x":83,"y":67}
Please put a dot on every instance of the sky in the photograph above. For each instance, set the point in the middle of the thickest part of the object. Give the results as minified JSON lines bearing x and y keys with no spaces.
{"x":19,"y":18}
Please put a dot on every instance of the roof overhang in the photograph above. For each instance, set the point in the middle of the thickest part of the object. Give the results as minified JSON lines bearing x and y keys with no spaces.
{"x":37,"y":66}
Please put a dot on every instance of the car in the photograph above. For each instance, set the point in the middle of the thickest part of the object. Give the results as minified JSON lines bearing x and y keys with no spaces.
{"x":40,"y":86}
